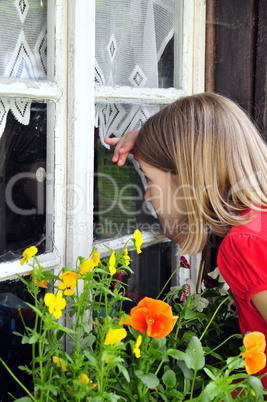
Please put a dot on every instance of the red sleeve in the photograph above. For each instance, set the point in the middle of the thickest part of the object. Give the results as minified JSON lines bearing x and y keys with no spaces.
{"x":242,"y":261}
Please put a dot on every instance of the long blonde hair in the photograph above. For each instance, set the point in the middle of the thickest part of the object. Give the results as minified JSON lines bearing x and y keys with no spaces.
{"x":219,"y":157}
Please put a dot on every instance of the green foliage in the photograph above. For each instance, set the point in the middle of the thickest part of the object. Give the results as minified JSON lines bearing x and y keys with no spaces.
{"x":192,"y":363}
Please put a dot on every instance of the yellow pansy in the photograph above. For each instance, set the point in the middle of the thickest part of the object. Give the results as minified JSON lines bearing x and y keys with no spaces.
{"x":125,"y":321}
{"x":115,"y":336}
{"x":68,"y":281}
{"x":84,"y":378}
{"x":28,"y":254}
{"x":126,"y":257}
{"x":59,"y":362}
{"x":112,"y":261}
{"x":136,"y":350}
{"x":88,"y":265}
{"x":138,"y":240}
{"x":55,"y":303}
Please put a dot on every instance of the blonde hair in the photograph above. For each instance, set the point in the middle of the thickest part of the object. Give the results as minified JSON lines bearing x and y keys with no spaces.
{"x":218,"y":156}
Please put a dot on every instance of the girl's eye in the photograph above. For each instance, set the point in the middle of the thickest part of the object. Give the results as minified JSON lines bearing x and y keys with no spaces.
{"x":147,"y":179}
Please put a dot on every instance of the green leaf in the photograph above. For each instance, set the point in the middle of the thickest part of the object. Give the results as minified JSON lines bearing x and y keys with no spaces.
{"x":195,"y":353}
{"x":234,"y":363}
{"x":124,"y":372}
{"x":25,"y":399}
{"x":90,"y":357}
{"x":150,"y":380}
{"x":89,"y":340}
{"x":169,"y":378}
{"x":210,"y":392}
{"x":256,"y":384}
{"x":157,"y":343}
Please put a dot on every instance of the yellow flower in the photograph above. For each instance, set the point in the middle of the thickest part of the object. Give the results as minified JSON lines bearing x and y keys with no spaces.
{"x":115,"y":336}
{"x":59,"y":362}
{"x":137,"y":347}
{"x":126,"y":257}
{"x":84,"y":378}
{"x":28,"y":254}
{"x":138,"y":240}
{"x":125,"y":321}
{"x":255,"y":358}
{"x":88,"y":265}
{"x":68,"y":282}
{"x":55,"y":303}
{"x":112,"y":261}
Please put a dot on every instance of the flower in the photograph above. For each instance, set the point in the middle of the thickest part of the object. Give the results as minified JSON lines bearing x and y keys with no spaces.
{"x":153,"y":317}
{"x":125,"y":321}
{"x":88,"y":265}
{"x":200,"y":303}
{"x":126,"y":257}
{"x":41,"y":284}
{"x":184,"y":262}
{"x":255,"y":358}
{"x":222,"y":285}
{"x":138,"y":240}
{"x":112,"y":261}
{"x":28,"y":254}
{"x":68,"y":282}
{"x":185,"y":290}
{"x":55,"y":303}
{"x":115,"y":336}
{"x":136,"y":350}
{"x":84,"y":378}
{"x":59,"y":362}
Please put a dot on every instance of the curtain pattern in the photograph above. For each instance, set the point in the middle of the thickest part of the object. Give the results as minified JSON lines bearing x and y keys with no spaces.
{"x":23,"y":50}
{"x":131,"y":36}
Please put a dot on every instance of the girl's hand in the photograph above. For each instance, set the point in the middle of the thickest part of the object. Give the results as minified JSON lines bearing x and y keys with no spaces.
{"x":123,"y":145}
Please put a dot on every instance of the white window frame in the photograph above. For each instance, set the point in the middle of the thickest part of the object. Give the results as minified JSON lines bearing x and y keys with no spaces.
{"x":72,"y":94}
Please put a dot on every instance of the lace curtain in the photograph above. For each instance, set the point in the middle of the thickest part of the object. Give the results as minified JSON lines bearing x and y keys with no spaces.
{"x":23,"y":50}
{"x":131,"y":36}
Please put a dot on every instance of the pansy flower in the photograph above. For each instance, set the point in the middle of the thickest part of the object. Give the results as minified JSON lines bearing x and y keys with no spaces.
{"x":28,"y":254}
{"x":153,"y":317}
{"x":136,"y":349}
{"x":55,"y":303}
{"x":126,"y":257}
{"x":115,"y":336}
{"x":59,"y":362}
{"x":138,"y":240}
{"x":68,"y":281}
{"x":255,"y":358}
{"x":112,"y":262}
{"x":89,"y":265}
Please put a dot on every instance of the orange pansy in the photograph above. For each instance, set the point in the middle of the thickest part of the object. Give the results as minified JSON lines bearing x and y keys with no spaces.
{"x":255,"y":358}
{"x":153,"y":317}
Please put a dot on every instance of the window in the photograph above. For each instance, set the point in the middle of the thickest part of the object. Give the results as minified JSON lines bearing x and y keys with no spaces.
{"x":147,"y":55}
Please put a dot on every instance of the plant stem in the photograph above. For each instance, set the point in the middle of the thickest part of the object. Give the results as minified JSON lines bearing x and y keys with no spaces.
{"x":226,"y":340}
{"x":18,"y":381}
{"x":212,"y":318}
{"x":174,"y":272}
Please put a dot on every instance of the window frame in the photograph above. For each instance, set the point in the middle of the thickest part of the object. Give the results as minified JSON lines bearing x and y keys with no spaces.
{"x":71,"y":118}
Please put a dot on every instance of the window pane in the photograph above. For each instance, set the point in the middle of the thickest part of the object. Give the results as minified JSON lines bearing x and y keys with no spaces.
{"x":23,"y":48}
{"x":22,"y":199}
{"x":152,"y":269}
{"x":134,"y":44}
{"x":119,"y":205}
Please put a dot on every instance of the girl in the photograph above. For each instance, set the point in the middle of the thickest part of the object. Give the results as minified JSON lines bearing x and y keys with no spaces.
{"x":206,"y":169}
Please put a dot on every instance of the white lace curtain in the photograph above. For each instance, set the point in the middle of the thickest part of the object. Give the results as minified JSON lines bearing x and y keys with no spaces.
{"x":131,"y":36}
{"x":23,"y":50}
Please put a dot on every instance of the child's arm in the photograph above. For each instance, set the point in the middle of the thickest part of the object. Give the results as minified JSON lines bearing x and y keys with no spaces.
{"x":260,"y":302}
{"x":123,"y":145}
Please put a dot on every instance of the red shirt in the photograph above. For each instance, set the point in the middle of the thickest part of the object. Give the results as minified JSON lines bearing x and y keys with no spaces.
{"x":242,"y":261}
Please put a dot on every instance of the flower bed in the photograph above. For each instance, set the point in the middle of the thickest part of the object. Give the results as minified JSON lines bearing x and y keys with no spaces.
{"x":163,"y":350}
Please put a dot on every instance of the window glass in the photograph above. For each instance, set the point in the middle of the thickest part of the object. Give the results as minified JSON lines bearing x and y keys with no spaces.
{"x":22,"y":182}
{"x":23,"y":48}
{"x":152,"y":269}
{"x":119,"y":205}
{"x":131,"y":43}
